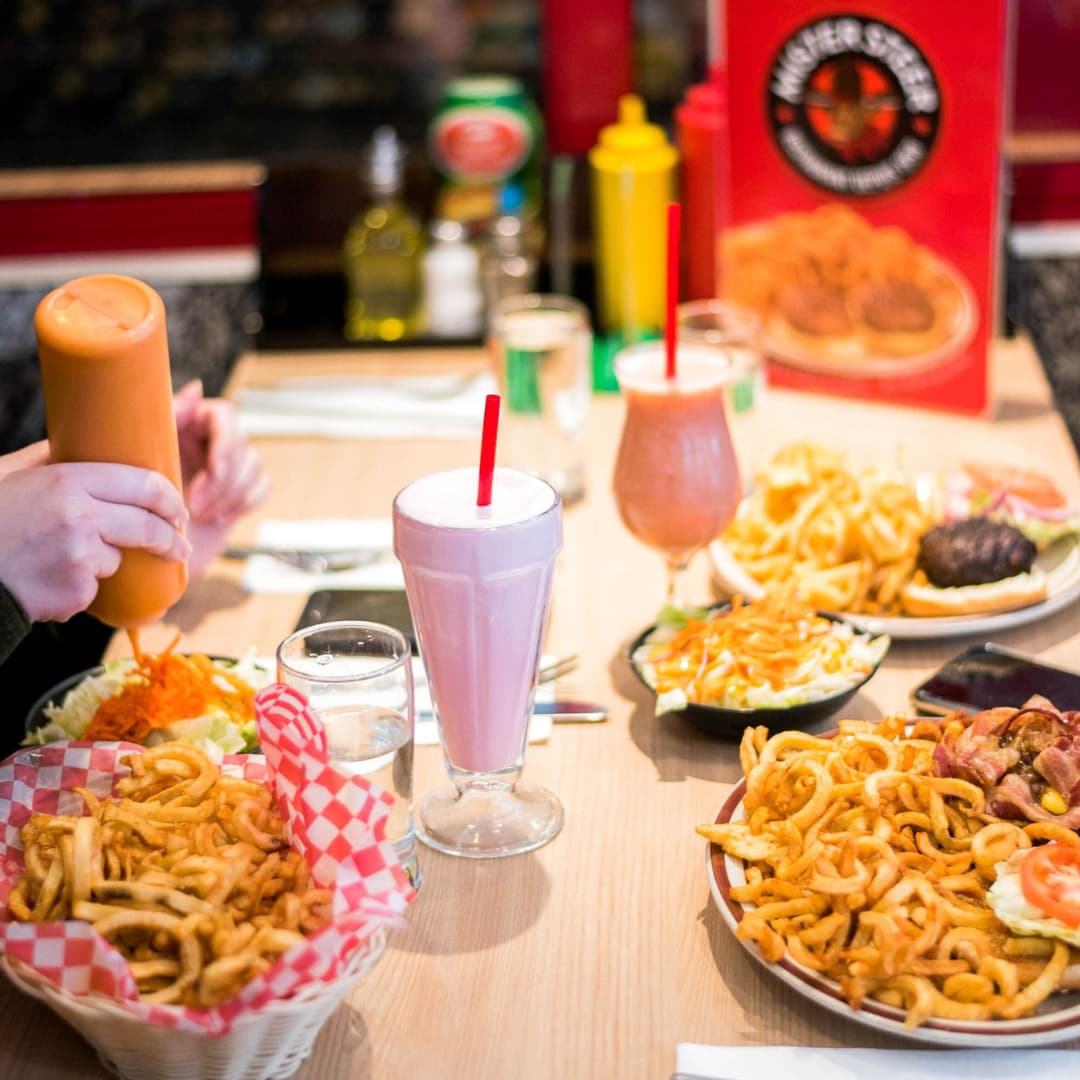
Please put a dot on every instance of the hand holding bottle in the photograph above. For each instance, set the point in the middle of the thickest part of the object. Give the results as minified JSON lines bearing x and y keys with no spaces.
{"x":63,"y":527}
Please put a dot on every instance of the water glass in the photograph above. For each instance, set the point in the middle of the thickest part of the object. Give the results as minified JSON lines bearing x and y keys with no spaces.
{"x":357,"y":678}
{"x":541,"y":347}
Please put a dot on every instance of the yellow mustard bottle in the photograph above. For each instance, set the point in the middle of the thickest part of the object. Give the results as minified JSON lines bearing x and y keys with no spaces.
{"x":632,"y":170}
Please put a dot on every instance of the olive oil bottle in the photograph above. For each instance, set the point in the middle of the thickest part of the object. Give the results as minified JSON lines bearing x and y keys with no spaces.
{"x":382,"y":255}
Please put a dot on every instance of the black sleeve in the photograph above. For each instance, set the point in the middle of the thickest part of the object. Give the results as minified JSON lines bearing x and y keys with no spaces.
{"x":14,"y":624}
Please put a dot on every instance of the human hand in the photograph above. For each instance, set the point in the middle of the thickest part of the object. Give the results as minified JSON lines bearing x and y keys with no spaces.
{"x":223,"y":475}
{"x":63,"y":527}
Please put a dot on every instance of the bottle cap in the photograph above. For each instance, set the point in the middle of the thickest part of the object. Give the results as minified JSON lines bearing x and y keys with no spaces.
{"x":632,"y":132}
{"x":387,"y":159}
{"x":447,"y":231}
{"x":103,"y":315}
{"x":705,"y":104}
{"x":632,"y":141}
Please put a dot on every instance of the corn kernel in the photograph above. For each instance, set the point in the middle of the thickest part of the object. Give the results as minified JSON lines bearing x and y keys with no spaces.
{"x":1053,"y":802}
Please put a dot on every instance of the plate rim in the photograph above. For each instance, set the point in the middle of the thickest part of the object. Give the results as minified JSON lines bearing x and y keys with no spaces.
{"x":1062,"y":591}
{"x":1060,"y":1025}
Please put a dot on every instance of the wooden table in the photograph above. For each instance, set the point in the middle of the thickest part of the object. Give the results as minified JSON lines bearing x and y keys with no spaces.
{"x":596,"y":955}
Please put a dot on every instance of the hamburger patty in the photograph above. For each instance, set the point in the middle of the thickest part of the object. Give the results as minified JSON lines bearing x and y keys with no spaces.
{"x":814,"y":309}
{"x":974,"y":552}
{"x":895,"y":307}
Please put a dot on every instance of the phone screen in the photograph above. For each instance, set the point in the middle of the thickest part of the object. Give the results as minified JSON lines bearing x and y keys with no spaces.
{"x":387,"y":606}
{"x":985,"y":677}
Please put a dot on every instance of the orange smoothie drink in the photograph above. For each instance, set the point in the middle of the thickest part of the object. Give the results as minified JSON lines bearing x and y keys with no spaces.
{"x":676,"y":477}
{"x":108,"y":397}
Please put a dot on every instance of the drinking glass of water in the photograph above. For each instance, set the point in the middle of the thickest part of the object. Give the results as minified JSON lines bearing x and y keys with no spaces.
{"x":541,"y":346}
{"x":357,"y":678}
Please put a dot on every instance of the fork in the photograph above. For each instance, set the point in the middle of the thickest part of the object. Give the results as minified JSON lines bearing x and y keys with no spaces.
{"x":557,"y":668}
{"x":313,"y":562}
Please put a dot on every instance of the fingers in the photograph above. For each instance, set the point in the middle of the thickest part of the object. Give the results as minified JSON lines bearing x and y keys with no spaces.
{"x":27,"y":458}
{"x":131,"y":527}
{"x":233,"y":480}
{"x":108,"y":561}
{"x":227,"y":442}
{"x":187,"y":400}
{"x":133,"y":487}
{"x":244,"y":487}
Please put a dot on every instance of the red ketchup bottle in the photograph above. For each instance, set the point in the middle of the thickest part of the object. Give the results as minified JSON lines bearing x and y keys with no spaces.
{"x":701,"y":122}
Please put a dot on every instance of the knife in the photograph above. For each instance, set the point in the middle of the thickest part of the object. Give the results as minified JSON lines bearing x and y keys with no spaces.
{"x":561,"y":711}
{"x":564,"y":711}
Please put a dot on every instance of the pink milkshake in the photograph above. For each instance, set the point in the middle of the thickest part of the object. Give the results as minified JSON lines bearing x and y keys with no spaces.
{"x":479,"y":584}
{"x":676,"y":478}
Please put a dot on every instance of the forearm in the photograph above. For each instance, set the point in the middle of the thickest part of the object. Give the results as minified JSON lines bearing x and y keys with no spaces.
{"x":14,"y":624}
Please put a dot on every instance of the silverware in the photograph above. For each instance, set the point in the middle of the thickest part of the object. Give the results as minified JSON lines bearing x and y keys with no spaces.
{"x":313,"y":562}
{"x":560,"y":711}
{"x":565,"y":711}
{"x":557,"y":668}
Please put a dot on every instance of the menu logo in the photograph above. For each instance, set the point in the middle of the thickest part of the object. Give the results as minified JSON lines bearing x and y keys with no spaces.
{"x":853,"y":104}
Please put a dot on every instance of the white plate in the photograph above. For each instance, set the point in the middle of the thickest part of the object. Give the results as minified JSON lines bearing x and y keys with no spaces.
{"x":1057,"y":1020}
{"x":849,"y":357}
{"x":1060,"y":562}
{"x":862,"y":364}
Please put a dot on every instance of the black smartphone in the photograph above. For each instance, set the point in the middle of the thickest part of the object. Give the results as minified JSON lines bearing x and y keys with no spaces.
{"x":987,"y":676}
{"x":387,"y":606}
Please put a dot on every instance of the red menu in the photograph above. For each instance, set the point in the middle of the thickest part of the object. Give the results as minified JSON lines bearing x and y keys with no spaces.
{"x":865,"y":192}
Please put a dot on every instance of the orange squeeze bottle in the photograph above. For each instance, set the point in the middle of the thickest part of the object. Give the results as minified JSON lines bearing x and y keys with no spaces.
{"x":108,"y":397}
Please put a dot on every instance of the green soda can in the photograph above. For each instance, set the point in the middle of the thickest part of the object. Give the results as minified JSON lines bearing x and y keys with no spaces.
{"x":487,"y":135}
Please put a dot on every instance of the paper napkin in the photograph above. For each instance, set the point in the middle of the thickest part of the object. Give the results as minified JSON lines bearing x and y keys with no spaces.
{"x":263,"y":573}
{"x":420,"y":406}
{"x":848,"y":1063}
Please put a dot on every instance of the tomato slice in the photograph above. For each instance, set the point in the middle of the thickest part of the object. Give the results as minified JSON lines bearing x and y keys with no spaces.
{"x":1050,"y":880}
{"x":1027,"y":484}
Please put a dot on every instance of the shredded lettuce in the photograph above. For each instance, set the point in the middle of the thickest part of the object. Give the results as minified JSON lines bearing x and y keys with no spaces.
{"x":1044,"y":534}
{"x":677,"y":618}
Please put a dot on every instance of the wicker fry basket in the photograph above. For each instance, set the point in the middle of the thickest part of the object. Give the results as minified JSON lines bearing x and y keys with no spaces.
{"x":272,"y":1042}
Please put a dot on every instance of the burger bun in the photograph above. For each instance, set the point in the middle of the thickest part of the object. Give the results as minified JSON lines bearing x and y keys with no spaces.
{"x":919,"y":597}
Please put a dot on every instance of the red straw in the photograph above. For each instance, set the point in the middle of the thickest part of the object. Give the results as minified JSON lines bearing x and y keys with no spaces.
{"x":487,"y":450}
{"x":674,"y":217}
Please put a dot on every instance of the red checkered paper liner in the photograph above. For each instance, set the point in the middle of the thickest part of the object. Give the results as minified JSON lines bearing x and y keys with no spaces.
{"x":336,"y":820}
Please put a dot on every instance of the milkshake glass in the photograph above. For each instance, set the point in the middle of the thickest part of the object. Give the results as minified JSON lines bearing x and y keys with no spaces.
{"x":676,"y":478}
{"x":479,"y":586}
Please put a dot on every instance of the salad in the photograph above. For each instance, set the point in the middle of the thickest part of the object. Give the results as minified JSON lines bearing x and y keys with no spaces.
{"x":771,"y":653}
{"x":154,"y":698}
{"x":1024,"y":498}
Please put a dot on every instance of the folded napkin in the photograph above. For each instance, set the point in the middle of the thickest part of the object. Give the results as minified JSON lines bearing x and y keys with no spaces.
{"x":754,"y":1062}
{"x":363,"y":406}
{"x":263,"y":573}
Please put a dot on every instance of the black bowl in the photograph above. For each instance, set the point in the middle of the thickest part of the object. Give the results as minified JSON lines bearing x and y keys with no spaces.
{"x":35,"y":718}
{"x":725,"y":722}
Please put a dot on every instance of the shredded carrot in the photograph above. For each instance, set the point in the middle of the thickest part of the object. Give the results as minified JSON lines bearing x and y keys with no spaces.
{"x":777,"y":642}
{"x":166,"y":687}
